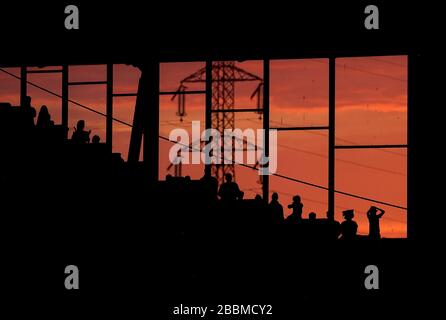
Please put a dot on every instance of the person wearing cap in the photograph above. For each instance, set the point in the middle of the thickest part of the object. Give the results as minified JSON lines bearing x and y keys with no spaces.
{"x":349,"y":227}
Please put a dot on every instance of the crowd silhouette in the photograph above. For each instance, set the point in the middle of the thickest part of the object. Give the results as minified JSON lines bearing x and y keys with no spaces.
{"x":225,"y":197}
{"x":228,"y":195}
{"x":26,"y":122}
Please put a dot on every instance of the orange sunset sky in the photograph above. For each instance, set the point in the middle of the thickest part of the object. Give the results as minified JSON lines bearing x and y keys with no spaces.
{"x":371,"y":108}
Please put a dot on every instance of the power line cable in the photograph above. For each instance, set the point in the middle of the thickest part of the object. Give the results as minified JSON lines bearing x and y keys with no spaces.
{"x":230,"y":160}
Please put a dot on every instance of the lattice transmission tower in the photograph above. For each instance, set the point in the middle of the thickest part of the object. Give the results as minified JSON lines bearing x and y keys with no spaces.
{"x":224,"y":76}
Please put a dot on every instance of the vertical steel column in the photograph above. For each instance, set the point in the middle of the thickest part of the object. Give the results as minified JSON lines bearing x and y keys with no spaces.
{"x":266,"y":70}
{"x":109,"y":107}
{"x":65,"y":99}
{"x":412,"y":86}
{"x":331,"y":133}
{"x":151,"y":123}
{"x":23,"y":85}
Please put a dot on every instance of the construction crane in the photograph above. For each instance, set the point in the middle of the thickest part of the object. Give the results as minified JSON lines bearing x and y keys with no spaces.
{"x":224,"y":76}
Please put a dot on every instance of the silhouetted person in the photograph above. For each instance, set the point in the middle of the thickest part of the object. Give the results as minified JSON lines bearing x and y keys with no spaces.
{"x":96,"y":139}
{"x":349,"y":228}
{"x":374,"y":216}
{"x":276,"y":209}
{"x":209,"y":185}
{"x":29,"y":112}
{"x":334,"y":227}
{"x":80,"y":135}
{"x":297,"y":206}
{"x":44,"y":118}
{"x":312,"y":216}
{"x":258,"y":198}
{"x":229,"y":190}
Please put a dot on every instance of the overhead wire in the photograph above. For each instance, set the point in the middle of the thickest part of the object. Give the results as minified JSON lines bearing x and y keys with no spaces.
{"x":230,"y":160}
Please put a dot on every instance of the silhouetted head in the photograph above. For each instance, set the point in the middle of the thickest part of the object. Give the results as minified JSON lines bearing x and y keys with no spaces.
{"x":187,"y":178}
{"x":258,"y":197}
{"x":296,"y":199}
{"x":28,"y":101}
{"x":96,"y":139}
{"x":312,"y":216}
{"x":348,"y":214}
{"x":373,"y":210}
{"x":168,"y":177}
{"x":228,"y":177}
{"x":44,"y":110}
{"x":275,"y":196}
{"x":80,"y":125}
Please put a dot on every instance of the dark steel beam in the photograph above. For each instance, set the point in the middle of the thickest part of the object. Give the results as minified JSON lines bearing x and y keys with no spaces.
{"x":266,"y":87}
{"x":331,"y":133}
{"x":299,"y":128}
{"x":182,"y":92}
{"x":109,"y":107}
{"x":376,"y":146}
{"x":46,"y":71}
{"x":86,"y":83}
{"x":124,"y":94}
